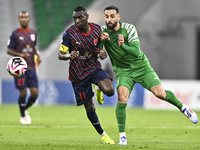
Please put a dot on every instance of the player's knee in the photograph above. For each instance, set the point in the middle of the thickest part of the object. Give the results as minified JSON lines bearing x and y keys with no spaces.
{"x":90,"y":108}
{"x":33,"y":99}
{"x":22,"y":93}
{"x":109,"y":91}
{"x":122,"y":99}
{"x":161,"y":95}
{"x":34,"y":95}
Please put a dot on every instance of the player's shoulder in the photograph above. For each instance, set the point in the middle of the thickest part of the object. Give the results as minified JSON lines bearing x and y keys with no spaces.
{"x":104,"y":27}
{"x":96,"y":26}
{"x":16,"y":30}
{"x":71,"y":29}
{"x":127,"y":26}
{"x":32,"y":30}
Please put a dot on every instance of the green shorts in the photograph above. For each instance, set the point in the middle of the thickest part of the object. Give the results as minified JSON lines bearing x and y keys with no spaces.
{"x":128,"y":79}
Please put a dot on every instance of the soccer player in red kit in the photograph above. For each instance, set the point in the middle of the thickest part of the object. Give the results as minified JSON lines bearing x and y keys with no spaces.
{"x":22,"y":43}
{"x":81,"y":40}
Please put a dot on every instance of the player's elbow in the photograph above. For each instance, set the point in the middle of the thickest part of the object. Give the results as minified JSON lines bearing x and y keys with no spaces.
{"x":60,"y":56}
{"x":137,"y":54}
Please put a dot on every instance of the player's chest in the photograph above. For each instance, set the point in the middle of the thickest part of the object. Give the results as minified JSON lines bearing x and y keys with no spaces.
{"x":115,"y":35}
{"x":85,"y":42}
{"x":26,"y":38}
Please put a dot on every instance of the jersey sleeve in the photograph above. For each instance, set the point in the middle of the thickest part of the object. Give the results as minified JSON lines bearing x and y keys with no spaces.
{"x":65,"y":43}
{"x":133,"y":47}
{"x":11,"y":41}
{"x":132,"y":35}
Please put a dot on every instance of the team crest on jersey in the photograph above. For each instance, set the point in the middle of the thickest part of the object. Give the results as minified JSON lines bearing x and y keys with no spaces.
{"x":28,"y":46}
{"x":32,"y":36}
{"x":95,"y":41}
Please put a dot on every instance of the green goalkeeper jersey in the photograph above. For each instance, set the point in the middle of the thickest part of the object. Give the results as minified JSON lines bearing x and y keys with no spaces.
{"x":129,"y":57}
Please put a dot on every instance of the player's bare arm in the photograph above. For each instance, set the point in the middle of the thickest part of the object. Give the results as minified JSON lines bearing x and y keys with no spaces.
{"x":120,"y":40}
{"x":104,"y":36}
{"x":66,"y":56}
{"x":14,"y":53}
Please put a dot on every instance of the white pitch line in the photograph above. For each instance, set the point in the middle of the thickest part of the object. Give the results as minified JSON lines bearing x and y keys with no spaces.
{"x":166,"y":127}
{"x":39,"y":126}
{"x":74,"y":127}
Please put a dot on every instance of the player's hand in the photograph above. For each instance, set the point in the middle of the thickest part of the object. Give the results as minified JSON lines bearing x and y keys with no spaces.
{"x":39,"y":59}
{"x":102,"y":54}
{"x":74,"y":54}
{"x":24,"y":55}
{"x":104,"y":36}
{"x":120,"y":40}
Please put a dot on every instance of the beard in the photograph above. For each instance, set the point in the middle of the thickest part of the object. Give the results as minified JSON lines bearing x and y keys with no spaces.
{"x":111,"y":27}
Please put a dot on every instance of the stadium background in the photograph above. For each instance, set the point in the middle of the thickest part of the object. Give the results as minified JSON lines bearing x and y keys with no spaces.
{"x":169,"y":32}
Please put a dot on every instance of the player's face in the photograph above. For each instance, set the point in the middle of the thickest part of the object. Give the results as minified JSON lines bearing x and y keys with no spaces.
{"x":24,"y":20}
{"x":111,"y":18}
{"x":80,"y":19}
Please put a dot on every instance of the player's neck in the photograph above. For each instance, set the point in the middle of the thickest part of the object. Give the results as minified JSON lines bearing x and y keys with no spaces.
{"x":86,"y":29}
{"x":24,"y":28}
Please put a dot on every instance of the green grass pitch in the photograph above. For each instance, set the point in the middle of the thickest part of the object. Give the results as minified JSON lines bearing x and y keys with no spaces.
{"x":66,"y":127}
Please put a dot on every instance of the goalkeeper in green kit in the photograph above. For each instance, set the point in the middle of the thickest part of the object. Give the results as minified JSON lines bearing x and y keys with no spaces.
{"x":132,"y":66}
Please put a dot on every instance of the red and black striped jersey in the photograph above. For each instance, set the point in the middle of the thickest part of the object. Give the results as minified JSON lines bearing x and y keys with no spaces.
{"x":24,"y":41}
{"x":86,"y":43}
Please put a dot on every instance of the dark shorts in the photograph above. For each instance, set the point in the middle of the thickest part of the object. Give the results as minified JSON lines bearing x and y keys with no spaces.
{"x":83,"y":90}
{"x":29,"y":79}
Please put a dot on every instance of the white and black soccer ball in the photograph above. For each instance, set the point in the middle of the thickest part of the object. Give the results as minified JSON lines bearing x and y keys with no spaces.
{"x":16,"y":66}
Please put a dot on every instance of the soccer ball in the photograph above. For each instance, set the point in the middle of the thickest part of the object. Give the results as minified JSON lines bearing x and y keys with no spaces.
{"x":16,"y":66}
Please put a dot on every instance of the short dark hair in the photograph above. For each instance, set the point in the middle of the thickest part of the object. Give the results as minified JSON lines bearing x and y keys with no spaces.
{"x":22,"y":12}
{"x":111,"y":7}
{"x":80,"y":8}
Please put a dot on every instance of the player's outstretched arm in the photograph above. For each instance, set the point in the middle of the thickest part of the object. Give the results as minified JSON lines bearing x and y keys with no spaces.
{"x":65,"y":56}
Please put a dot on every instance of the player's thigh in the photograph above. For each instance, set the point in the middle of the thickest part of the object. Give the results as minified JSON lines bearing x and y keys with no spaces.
{"x":106,"y":86}
{"x":149,"y":80}
{"x":125,"y":80}
{"x":99,"y":75}
{"x":101,"y":78}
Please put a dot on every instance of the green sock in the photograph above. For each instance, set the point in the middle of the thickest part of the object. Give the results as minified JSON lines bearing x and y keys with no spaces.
{"x":121,"y":116}
{"x":171,"y":98}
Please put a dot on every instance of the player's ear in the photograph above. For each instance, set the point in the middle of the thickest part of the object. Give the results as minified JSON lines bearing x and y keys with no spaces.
{"x":87,"y":16}
{"x":119,"y":16}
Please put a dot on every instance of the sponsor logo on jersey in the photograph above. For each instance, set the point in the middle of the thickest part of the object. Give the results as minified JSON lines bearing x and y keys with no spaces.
{"x":27,"y":49}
